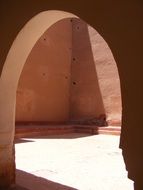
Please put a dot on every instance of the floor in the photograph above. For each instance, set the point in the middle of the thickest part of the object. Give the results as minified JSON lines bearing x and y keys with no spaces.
{"x":71,"y":162}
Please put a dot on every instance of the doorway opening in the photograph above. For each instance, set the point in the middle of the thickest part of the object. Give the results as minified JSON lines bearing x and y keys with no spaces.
{"x":82,"y":79}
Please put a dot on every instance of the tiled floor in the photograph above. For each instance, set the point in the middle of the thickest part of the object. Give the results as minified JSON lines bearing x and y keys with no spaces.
{"x":71,"y":162}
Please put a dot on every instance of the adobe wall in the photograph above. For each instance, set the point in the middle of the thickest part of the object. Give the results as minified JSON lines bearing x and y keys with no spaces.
{"x":95,"y":85}
{"x":43,"y":90}
{"x":86,"y":101}
{"x":108,"y":77}
{"x":70,"y":75}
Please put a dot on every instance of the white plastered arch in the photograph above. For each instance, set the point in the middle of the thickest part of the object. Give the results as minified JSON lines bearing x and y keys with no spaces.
{"x":14,"y":64}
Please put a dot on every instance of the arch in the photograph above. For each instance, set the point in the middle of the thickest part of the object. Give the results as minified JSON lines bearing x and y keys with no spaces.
{"x":26,"y":39}
{"x":16,"y":58}
{"x":12,"y":69}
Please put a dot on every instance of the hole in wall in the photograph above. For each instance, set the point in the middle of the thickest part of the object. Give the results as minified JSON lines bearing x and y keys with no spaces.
{"x":74,"y":83}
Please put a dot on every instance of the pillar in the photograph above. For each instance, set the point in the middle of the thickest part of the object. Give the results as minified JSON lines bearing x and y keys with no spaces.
{"x":7,"y":130}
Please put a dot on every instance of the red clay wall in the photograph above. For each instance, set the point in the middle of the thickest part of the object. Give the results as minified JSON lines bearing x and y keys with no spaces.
{"x":43,"y":90}
{"x":70,"y":74}
{"x":86,"y":101}
{"x":108,"y":77}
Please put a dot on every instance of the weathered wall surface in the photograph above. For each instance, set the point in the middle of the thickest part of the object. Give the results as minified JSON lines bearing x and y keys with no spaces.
{"x":86,"y":100}
{"x":43,"y":91}
{"x":108,"y":77}
{"x":95,"y":85}
{"x":70,"y":74}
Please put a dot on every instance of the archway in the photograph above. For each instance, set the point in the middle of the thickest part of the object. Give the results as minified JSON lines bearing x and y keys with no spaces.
{"x":13,"y":66}
{"x":76,"y":82}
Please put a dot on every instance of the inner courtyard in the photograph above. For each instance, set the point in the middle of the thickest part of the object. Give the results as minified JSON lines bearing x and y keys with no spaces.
{"x":71,"y":162}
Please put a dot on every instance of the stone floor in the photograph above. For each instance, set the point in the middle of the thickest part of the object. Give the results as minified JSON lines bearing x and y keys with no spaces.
{"x":71,"y":162}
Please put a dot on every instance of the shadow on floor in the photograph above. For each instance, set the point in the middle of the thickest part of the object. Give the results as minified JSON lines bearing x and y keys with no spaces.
{"x":62,"y":136}
{"x":32,"y":138}
{"x":54,"y":131}
{"x":20,"y":140}
{"x":27,"y":181}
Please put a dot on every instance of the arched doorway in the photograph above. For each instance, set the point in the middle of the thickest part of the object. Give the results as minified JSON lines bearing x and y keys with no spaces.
{"x":15,"y":61}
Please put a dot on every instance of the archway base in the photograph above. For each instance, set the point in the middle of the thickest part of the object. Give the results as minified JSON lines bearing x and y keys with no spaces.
{"x":7,"y":169}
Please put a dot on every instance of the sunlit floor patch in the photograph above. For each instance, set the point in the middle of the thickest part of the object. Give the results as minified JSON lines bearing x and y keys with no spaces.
{"x":83,"y":163}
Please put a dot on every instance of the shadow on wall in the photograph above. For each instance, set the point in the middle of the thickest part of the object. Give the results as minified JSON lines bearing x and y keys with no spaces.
{"x":32,"y":182}
{"x":86,"y":103}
